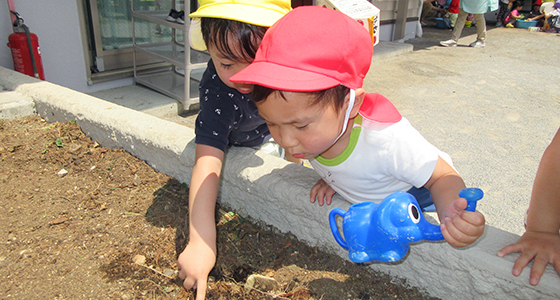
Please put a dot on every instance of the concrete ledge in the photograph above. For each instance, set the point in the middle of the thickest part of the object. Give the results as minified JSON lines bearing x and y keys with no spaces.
{"x":144,"y":100}
{"x":276,"y":192}
{"x":14,"y":105}
{"x":385,"y":49}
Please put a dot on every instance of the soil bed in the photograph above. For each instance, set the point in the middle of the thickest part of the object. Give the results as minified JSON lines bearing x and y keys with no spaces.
{"x":83,"y":221}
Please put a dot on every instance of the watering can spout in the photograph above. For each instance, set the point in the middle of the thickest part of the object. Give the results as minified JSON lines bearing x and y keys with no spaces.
{"x":431,"y":232}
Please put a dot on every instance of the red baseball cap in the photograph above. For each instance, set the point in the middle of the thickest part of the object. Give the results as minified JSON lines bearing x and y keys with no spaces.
{"x":311,"y":48}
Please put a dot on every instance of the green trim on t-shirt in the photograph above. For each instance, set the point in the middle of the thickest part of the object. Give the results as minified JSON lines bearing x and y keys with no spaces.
{"x":354,"y":135}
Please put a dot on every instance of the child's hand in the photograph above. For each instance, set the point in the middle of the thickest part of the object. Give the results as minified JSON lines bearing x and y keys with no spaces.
{"x":322,"y":191}
{"x":459,"y":227}
{"x":195,"y":263}
{"x":540,"y":247}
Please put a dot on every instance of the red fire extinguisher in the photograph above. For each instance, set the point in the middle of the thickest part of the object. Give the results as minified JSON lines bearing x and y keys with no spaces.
{"x":25,"y":49}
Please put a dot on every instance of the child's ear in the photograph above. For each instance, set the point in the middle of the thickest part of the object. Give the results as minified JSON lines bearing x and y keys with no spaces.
{"x":360,"y":95}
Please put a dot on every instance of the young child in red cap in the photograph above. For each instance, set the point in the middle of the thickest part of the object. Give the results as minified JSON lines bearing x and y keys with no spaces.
{"x":231,"y":31}
{"x":308,"y":75}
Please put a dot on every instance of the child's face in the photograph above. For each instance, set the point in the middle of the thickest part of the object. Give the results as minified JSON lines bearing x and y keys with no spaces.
{"x":302,"y":130}
{"x":227,"y":67}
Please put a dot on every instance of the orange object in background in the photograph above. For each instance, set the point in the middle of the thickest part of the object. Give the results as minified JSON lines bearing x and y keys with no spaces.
{"x":362,"y":11}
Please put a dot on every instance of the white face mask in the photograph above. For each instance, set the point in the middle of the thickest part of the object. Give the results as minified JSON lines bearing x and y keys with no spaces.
{"x":347,"y":116}
{"x":196,"y":41}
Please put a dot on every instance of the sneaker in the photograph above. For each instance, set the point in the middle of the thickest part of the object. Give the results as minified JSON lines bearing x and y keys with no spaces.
{"x":172,"y":16}
{"x":499,"y":24}
{"x":478,"y":44}
{"x":181,"y":18}
{"x":449,"y":43}
{"x":508,"y":25}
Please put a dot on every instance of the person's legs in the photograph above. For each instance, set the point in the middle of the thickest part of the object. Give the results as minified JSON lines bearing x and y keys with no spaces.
{"x":502,"y":13}
{"x":480,"y":27}
{"x":427,"y":11}
{"x":460,"y":24}
{"x":457,"y":29}
{"x":453,"y":19}
{"x":510,"y":23}
{"x":424,"y":198}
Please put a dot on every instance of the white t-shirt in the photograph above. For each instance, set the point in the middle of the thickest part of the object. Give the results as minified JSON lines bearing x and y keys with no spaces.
{"x":382,"y":157}
{"x":554,"y":19}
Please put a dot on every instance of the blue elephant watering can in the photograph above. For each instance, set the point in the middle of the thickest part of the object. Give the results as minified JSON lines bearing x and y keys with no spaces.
{"x":383,"y":231}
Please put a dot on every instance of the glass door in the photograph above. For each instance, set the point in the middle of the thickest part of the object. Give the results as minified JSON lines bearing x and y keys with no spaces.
{"x":110,"y":32}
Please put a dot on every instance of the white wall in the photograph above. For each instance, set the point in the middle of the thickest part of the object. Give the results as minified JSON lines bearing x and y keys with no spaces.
{"x":5,"y":31}
{"x":57,"y":25}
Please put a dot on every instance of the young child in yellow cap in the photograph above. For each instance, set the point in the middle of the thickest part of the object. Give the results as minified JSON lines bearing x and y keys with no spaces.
{"x":232,"y":31}
{"x":308,"y":75}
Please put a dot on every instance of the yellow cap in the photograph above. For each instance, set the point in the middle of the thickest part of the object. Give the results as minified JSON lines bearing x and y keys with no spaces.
{"x":257,"y":12}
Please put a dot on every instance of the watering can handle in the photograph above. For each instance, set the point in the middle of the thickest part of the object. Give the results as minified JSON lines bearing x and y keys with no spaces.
{"x":472,"y":195}
{"x":334,"y":228}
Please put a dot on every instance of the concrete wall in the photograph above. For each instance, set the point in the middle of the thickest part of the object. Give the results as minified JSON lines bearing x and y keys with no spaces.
{"x":276,"y":192}
{"x":411,"y":30}
{"x":388,"y":14}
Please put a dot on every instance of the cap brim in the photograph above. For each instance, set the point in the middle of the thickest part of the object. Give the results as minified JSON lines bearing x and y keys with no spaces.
{"x":240,"y":12}
{"x":283,"y":78}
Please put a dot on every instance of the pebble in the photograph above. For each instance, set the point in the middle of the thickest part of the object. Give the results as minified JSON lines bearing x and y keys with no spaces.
{"x":139,"y":259}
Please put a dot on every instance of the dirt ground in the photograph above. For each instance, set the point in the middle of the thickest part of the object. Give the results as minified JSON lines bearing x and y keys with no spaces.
{"x":83,"y":221}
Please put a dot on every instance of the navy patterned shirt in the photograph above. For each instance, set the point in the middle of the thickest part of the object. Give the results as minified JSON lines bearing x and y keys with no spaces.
{"x":226,"y":116}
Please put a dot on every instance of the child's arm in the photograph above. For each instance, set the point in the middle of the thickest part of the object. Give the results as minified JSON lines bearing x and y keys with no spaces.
{"x":536,"y":17}
{"x":199,"y":257}
{"x":459,"y":227}
{"x":541,"y":241}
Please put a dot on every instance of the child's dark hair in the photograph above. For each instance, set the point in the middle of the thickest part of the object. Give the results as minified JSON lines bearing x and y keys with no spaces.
{"x":334,"y":95}
{"x":247,"y":37}
{"x":517,"y":3}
